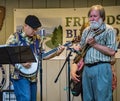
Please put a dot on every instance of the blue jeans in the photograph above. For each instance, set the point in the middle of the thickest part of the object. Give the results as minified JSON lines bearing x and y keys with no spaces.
{"x":24,"y":89}
{"x":97,"y":83}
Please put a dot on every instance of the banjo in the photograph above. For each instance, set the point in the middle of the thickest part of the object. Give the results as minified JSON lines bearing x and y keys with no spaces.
{"x":32,"y":70}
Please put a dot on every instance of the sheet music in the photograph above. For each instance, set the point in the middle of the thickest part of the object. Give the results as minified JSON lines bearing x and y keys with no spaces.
{"x":4,"y":45}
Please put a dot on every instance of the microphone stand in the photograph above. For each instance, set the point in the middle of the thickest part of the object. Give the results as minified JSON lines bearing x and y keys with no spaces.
{"x":40,"y":69}
{"x":66,"y":61}
{"x":42,"y":34}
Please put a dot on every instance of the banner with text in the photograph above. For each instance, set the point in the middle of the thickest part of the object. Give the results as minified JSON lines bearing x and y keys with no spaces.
{"x":63,"y":24}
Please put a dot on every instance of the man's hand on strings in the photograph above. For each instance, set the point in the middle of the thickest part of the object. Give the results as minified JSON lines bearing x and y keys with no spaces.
{"x":27,"y":65}
{"x":74,"y":76}
{"x":76,"y":47}
{"x":91,"y":41}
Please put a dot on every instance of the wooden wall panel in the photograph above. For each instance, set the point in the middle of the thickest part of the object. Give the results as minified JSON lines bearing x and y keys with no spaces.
{"x":94,"y":2}
{"x":117,"y":91}
{"x":117,"y":2}
{"x":66,"y":3}
{"x":53,"y":3}
{"x":9,"y":16}
{"x":63,"y":81}
{"x":39,"y":4}
{"x":52,"y":88}
{"x":3,"y":29}
{"x":80,"y":3}
{"x":26,"y":3}
{"x":109,"y":2}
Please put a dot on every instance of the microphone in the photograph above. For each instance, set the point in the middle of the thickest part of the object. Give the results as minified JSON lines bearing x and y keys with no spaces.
{"x":42,"y":33}
{"x":73,"y":50}
{"x":42,"y":37}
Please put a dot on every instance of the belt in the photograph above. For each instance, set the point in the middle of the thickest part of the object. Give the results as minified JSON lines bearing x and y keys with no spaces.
{"x":94,"y":64}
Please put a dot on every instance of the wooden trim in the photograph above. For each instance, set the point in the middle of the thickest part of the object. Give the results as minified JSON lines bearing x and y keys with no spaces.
{"x":2,"y":16}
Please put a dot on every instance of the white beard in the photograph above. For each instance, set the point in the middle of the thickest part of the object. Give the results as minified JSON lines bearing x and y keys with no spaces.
{"x":95,"y":24}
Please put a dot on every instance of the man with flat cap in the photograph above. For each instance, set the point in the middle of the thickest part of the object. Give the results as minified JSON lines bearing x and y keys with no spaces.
{"x":25,"y":88}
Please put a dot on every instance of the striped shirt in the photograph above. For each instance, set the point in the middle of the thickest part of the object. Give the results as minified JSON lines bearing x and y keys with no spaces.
{"x":107,"y":38}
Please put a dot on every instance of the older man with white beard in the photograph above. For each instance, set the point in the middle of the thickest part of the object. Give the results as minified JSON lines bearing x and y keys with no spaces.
{"x":97,"y":73}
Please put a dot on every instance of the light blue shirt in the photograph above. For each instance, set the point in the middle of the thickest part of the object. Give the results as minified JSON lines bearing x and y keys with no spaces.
{"x":107,"y":38}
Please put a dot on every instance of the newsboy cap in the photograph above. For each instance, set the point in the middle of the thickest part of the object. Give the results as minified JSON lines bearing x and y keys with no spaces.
{"x":32,"y":21}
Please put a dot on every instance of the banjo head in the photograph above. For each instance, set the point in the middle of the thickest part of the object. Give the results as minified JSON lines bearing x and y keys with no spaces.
{"x":29,"y":71}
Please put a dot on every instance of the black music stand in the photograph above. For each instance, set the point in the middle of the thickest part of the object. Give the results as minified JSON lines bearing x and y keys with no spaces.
{"x":16,"y":54}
